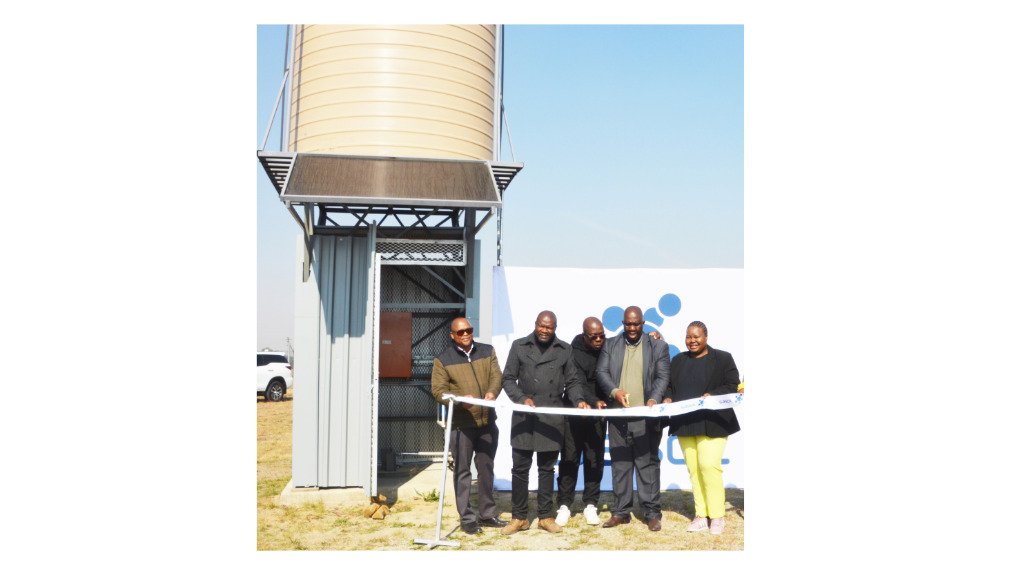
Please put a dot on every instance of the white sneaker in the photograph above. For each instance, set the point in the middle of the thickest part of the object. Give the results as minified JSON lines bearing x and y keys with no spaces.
{"x":592,"y":516}
{"x":563,"y":515}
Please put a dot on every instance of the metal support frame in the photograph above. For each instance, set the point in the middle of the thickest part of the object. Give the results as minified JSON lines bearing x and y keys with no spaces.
{"x":276,"y":106}
{"x":485,"y":219}
{"x":416,"y":283}
{"x":431,"y":543}
{"x":420,"y":221}
{"x":445,"y":321}
{"x":443,"y":281}
{"x":307,"y":231}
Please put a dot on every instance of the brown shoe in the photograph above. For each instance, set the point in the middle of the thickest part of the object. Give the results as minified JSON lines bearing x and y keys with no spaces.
{"x":515,"y":526}
{"x":616,"y":520}
{"x":654,"y":524}
{"x":550,"y":525}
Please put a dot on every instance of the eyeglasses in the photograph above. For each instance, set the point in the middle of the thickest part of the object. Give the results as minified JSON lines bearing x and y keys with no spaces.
{"x":600,"y":335}
{"x":466,"y":331}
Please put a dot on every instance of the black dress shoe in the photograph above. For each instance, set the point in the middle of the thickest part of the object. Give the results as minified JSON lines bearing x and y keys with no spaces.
{"x":470,"y":528}
{"x":493,"y":522}
{"x":616,"y":520}
{"x":654,"y":524}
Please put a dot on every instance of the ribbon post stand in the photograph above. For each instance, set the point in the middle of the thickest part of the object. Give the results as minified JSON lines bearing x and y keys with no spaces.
{"x":431,"y":543}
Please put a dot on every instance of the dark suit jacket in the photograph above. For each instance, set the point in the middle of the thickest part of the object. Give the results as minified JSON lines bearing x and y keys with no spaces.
{"x":656,"y":365}
{"x":545,"y":378}
{"x":723,"y":380}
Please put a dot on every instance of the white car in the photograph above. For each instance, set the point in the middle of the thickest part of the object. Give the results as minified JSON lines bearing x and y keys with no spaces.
{"x":273,"y":375}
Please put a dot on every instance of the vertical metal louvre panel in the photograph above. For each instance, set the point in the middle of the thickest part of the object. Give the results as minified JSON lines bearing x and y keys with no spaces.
{"x":331,"y":398}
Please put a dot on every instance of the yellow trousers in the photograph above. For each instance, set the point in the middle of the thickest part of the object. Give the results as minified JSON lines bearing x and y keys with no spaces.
{"x":702,"y":457}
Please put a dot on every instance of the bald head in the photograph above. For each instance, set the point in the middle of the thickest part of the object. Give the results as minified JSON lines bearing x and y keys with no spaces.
{"x":547,"y":314}
{"x":592,"y":333}
{"x":546,"y":325}
{"x":461,"y":333}
{"x":633,"y":323}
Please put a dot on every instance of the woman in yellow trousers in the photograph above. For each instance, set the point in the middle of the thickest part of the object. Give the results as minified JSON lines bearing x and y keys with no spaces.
{"x":702,"y":434}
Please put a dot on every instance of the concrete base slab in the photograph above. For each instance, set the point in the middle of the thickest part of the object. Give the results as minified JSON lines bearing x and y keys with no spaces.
{"x":404,"y":484}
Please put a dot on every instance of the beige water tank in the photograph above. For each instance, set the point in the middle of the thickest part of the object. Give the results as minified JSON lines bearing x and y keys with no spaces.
{"x":414,"y":91}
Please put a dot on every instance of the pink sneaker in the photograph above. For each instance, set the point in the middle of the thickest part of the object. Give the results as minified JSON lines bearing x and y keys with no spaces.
{"x":716,"y":526}
{"x":698,"y":524}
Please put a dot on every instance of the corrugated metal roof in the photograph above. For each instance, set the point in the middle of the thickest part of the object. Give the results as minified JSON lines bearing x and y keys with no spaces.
{"x":371,"y":180}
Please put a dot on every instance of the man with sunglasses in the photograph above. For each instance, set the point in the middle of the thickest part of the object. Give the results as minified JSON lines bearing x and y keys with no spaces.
{"x":469,"y":368}
{"x":583,"y":437}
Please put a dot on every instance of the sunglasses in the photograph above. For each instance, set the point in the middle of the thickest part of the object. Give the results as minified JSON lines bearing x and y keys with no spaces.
{"x":466,"y":331}
{"x":596,"y":335}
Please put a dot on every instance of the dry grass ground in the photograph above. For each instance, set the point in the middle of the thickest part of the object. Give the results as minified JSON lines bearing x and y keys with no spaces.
{"x":318,"y":527}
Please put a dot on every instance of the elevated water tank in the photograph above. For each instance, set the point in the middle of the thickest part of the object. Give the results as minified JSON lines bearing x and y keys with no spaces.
{"x":411,"y":91}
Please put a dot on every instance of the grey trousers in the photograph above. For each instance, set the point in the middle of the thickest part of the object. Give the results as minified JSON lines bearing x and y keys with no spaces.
{"x":633,"y":449}
{"x":482,"y":441}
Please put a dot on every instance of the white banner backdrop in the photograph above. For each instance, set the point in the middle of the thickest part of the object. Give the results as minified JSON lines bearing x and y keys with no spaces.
{"x":670,"y":300}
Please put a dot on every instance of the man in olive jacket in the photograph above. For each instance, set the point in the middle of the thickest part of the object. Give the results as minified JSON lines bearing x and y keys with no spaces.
{"x":538,"y":372}
{"x":469,"y":368}
{"x":636,"y":365}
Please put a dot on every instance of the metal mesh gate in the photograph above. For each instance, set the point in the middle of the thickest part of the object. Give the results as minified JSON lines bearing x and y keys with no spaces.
{"x":407,"y":413}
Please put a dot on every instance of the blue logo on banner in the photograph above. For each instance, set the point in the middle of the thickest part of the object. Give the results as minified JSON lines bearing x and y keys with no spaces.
{"x":668,"y":306}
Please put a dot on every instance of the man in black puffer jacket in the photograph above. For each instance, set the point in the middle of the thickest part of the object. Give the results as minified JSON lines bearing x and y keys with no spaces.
{"x":584,"y":436}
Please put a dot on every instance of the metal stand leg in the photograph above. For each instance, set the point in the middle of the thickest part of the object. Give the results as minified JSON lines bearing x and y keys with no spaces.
{"x":431,"y":543}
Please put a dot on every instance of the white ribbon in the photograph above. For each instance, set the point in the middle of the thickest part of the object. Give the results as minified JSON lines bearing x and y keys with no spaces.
{"x":658,"y":410}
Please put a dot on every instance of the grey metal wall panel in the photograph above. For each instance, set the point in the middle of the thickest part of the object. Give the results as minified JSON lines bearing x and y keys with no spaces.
{"x":357,"y":373}
{"x":323,"y":270}
{"x":330,"y":439}
{"x":305,"y":410}
{"x":334,"y":402}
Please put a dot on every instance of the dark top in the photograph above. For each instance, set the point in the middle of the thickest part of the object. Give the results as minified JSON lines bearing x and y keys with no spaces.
{"x":716,"y":374}
{"x":585,"y":360}
{"x":696,"y":371}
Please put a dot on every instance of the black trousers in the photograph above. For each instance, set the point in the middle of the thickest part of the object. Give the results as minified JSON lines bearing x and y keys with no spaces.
{"x":634,"y":444}
{"x":521,"y":463}
{"x":481,"y":441}
{"x":583,"y":443}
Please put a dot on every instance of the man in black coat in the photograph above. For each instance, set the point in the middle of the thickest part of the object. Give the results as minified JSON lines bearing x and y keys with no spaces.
{"x":584,"y":436}
{"x":539,"y":371}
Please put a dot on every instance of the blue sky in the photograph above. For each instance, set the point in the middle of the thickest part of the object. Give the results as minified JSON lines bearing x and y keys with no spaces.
{"x":632,"y":140}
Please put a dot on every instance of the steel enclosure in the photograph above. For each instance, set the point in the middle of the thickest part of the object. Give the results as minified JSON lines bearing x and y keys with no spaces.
{"x":332,"y":427}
